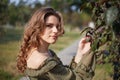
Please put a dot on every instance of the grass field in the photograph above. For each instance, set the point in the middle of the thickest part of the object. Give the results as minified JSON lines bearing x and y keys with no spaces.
{"x":9,"y":47}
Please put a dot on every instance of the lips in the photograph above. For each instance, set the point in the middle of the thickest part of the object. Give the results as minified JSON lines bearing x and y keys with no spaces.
{"x":54,"y":37}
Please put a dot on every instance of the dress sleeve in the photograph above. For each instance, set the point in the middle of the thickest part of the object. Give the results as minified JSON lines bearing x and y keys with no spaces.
{"x":56,"y":70}
{"x":86,"y":66}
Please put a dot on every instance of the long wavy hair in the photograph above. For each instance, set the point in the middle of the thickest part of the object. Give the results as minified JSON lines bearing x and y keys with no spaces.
{"x":33,"y":29}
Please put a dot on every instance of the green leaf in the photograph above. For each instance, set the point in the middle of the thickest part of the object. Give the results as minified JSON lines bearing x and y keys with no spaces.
{"x":111,"y":15}
{"x":95,"y":45}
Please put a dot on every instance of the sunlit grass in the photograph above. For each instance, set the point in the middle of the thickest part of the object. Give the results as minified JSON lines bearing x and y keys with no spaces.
{"x":9,"y":46}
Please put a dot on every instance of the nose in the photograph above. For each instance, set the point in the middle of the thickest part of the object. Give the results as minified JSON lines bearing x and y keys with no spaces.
{"x":55,"y":30}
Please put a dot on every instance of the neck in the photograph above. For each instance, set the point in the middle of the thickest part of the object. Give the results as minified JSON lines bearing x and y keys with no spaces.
{"x":43,"y":48}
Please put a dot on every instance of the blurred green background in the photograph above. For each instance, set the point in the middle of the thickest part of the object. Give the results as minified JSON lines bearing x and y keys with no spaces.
{"x":15,"y":13}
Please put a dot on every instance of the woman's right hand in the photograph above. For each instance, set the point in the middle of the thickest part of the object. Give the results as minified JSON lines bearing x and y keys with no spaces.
{"x":83,"y":48}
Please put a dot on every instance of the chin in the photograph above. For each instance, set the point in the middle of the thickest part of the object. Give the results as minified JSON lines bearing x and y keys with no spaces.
{"x":52,"y":42}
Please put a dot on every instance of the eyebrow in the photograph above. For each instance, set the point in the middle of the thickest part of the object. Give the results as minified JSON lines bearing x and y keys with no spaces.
{"x":51,"y":24}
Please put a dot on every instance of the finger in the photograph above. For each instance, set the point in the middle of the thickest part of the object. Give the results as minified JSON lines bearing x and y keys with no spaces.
{"x":86,"y":40}
{"x":82,"y":39}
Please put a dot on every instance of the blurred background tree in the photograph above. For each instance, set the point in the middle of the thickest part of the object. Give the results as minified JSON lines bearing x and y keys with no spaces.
{"x":17,"y":12}
{"x":3,"y":11}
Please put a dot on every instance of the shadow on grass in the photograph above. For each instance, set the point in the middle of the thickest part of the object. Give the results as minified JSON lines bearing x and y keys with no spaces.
{"x":11,"y":35}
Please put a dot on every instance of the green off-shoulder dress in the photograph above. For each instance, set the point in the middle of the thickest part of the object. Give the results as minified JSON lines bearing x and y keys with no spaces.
{"x":53,"y":69}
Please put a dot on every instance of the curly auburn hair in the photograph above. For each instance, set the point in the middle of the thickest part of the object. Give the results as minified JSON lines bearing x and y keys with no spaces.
{"x":33,"y":29}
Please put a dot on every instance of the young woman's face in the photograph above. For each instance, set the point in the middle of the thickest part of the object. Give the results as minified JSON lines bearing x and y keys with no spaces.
{"x":51,"y":31}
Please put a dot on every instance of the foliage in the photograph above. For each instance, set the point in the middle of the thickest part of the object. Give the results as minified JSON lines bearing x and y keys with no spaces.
{"x":14,"y":14}
{"x":106,"y":34}
{"x":3,"y":11}
{"x":18,"y":14}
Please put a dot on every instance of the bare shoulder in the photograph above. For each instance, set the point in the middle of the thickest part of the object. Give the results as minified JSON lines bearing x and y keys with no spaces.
{"x":35,"y":60}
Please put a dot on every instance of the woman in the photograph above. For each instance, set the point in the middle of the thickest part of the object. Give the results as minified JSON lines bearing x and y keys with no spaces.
{"x":39,"y":62}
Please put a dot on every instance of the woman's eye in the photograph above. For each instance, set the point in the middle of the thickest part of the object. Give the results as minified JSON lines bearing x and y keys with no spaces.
{"x":50,"y":26}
